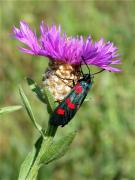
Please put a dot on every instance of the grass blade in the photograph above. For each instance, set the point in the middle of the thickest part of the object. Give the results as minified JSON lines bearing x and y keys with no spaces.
{"x":9,"y":109}
{"x":29,"y":110}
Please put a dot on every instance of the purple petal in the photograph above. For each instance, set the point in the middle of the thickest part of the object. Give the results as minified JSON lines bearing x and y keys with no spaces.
{"x":70,"y":50}
{"x":26,"y":36}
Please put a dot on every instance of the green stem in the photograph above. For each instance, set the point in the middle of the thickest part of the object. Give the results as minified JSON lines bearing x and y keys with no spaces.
{"x":51,"y":130}
{"x":47,"y":141}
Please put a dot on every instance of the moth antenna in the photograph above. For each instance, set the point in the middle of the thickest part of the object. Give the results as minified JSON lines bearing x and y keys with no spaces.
{"x":86,"y":65}
{"x":81,"y":70}
{"x":98,"y":72}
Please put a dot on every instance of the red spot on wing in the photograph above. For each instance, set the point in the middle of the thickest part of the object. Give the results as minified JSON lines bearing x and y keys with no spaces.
{"x":78,"y":88}
{"x":60,"y":111}
{"x":70,"y":104}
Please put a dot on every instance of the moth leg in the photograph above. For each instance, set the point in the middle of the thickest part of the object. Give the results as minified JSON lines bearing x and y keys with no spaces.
{"x":66,"y":79}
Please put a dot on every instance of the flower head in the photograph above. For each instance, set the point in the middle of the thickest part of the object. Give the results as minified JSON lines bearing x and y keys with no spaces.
{"x":65,"y":55}
{"x":69,"y":50}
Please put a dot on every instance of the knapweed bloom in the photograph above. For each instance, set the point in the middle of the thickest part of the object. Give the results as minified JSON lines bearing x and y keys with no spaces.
{"x":65,"y":55}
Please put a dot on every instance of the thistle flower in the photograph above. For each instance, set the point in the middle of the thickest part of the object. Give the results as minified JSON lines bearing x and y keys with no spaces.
{"x":65,"y":55}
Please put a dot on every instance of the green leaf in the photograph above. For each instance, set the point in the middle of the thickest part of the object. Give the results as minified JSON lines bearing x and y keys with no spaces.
{"x":58,"y":149}
{"x":9,"y":109}
{"x":46,"y":152}
{"x":36,"y":89}
{"x":29,"y":110}
{"x":50,"y":151}
{"x":43,"y":94}
{"x":51,"y":103}
{"x":30,"y":159}
{"x":46,"y":143}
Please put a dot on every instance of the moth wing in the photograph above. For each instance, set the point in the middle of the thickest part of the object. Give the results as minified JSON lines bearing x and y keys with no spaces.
{"x":63,"y":113}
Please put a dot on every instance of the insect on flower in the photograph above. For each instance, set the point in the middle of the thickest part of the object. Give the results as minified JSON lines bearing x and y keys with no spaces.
{"x":65,"y":55}
{"x":67,"y":109}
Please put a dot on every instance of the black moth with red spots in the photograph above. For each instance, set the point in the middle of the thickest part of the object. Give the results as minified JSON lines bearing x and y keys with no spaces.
{"x":66,"y":110}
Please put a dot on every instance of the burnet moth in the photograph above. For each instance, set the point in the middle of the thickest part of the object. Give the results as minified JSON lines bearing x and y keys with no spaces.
{"x":66,"y":110}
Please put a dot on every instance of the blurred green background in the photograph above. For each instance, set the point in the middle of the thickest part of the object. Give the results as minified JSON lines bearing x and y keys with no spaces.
{"x":104,"y":148}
